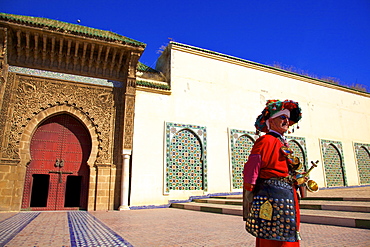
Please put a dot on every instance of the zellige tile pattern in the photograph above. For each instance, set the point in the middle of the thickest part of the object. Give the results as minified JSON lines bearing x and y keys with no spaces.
{"x":241,"y":143}
{"x":13,"y":225}
{"x":335,"y":171}
{"x":86,"y":230}
{"x":363,"y":162}
{"x":49,"y":228}
{"x":186,"y":157}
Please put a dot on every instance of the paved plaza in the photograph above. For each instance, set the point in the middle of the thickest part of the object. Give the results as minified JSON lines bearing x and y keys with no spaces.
{"x":161,"y":227}
{"x":151,"y":227}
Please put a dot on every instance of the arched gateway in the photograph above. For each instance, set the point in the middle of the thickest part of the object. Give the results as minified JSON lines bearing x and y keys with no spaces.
{"x":57,"y":176}
{"x":73,"y":80}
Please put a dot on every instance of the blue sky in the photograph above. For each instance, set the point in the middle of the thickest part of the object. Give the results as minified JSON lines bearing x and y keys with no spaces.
{"x":327,"y":38}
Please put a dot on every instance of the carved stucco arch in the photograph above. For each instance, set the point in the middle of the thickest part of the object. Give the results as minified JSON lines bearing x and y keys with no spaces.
{"x":25,"y":141}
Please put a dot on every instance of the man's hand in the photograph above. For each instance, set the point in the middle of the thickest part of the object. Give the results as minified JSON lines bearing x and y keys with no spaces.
{"x":247,"y":199}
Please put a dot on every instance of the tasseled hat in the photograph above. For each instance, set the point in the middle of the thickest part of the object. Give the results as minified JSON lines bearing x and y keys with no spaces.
{"x":275,"y":108}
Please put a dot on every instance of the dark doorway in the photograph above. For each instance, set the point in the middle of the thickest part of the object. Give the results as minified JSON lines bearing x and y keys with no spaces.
{"x":61,"y":145}
{"x":40,"y":190}
{"x":73,"y":191}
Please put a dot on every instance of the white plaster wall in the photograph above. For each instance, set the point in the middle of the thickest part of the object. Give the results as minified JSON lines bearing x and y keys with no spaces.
{"x":222,"y":95}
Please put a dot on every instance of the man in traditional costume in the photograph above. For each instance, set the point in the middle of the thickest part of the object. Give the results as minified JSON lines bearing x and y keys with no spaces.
{"x":270,"y":200}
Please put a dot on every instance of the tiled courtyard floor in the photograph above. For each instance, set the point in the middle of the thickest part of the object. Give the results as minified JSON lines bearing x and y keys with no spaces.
{"x":161,"y":227}
{"x":156,"y":227}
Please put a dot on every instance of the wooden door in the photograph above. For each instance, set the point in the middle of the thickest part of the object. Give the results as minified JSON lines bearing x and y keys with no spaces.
{"x":57,"y":177}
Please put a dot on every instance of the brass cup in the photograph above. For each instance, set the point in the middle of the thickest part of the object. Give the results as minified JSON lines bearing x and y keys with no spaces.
{"x":312,"y":186}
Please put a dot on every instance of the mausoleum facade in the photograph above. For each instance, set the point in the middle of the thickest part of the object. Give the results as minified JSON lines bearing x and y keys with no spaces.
{"x":85,"y":125}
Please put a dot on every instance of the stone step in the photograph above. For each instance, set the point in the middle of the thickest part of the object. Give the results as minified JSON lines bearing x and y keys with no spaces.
{"x":351,"y":206}
{"x":336,"y":218}
{"x":348,"y":206}
{"x":228,"y":197}
{"x":220,"y":201}
{"x":318,"y":198}
{"x":209,"y":207}
{"x":329,"y":213}
{"x":361,"y":199}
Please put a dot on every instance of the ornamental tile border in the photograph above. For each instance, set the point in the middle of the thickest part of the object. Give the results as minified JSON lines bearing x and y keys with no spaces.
{"x":363,"y":162}
{"x":338,"y":146}
{"x":154,"y":85}
{"x":200,"y":132}
{"x":63,"y":76}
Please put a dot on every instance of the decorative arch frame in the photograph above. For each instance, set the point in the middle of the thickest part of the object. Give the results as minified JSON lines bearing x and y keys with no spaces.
{"x":361,"y":176}
{"x":30,"y":128}
{"x":337,"y":145}
{"x":200,"y":132}
{"x":234,"y":135}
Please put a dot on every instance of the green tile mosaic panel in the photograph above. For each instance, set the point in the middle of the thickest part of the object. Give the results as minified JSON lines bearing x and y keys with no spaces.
{"x":363,"y":162}
{"x":186,"y":167}
{"x":241,"y":146}
{"x":298,"y":145}
{"x":333,"y":163}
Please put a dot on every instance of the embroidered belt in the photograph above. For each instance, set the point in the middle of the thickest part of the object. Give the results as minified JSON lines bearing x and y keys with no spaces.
{"x":272,"y":215}
{"x":284,"y":180}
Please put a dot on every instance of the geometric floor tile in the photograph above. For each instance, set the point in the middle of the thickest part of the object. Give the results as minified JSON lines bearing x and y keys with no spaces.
{"x":86,"y":230}
{"x":10,"y":227}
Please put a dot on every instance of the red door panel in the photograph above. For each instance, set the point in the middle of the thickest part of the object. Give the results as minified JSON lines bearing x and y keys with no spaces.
{"x":60,"y":148}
